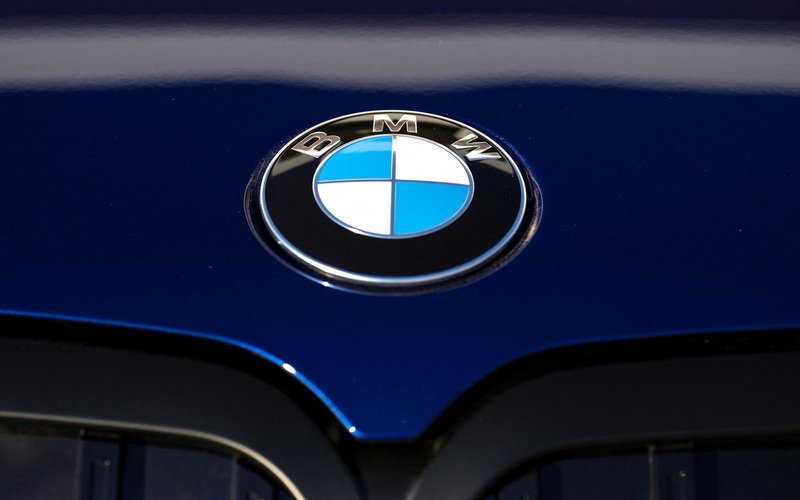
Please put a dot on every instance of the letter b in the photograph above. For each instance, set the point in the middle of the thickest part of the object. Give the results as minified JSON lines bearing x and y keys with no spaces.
{"x":317,"y":144}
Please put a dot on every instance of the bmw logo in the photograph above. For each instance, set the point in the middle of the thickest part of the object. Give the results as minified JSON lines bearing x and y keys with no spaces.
{"x":393,"y":201}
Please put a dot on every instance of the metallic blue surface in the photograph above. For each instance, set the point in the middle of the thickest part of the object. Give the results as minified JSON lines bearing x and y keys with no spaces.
{"x":666,"y":210}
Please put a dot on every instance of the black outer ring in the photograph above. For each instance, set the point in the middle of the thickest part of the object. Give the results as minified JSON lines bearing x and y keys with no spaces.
{"x":288,"y":219}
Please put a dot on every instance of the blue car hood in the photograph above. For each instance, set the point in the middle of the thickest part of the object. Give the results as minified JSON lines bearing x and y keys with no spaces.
{"x":668,"y":170}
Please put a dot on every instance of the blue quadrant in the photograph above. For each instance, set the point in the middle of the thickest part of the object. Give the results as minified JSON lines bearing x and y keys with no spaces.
{"x":421,"y":206}
{"x":367,"y":159}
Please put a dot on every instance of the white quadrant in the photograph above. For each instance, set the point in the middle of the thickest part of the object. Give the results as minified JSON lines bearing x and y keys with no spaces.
{"x":420,"y":160}
{"x":363,"y":205}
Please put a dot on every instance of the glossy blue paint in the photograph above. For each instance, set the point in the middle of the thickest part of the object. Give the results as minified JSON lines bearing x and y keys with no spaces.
{"x":309,"y":10}
{"x":665,"y":211}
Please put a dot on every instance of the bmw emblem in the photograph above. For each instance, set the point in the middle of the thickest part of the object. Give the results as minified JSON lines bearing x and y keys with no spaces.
{"x":393,"y":201}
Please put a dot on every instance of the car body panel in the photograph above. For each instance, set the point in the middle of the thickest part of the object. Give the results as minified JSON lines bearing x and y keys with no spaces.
{"x":670,"y":206}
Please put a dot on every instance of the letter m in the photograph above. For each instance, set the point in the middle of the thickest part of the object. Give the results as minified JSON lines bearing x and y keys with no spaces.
{"x":409,"y":121}
{"x":479,"y":148}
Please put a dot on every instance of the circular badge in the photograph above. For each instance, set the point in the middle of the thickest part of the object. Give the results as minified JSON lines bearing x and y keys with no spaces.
{"x":393,"y":200}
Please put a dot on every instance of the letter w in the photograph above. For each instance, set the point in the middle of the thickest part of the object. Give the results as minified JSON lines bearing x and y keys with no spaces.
{"x":479,"y":148}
